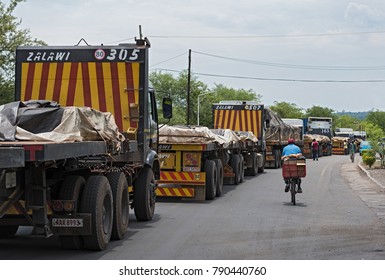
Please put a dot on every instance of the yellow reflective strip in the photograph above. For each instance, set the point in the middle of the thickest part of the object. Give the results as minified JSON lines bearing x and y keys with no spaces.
{"x":123,"y":95}
{"x":79,"y":93}
{"x":36,"y":81}
{"x":51,"y":81}
{"x":135,"y":74}
{"x":106,"y":66}
{"x":65,"y":83}
{"x":93,"y":85}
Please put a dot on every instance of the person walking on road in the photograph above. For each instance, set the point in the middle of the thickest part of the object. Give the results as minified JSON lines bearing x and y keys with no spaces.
{"x":352,"y":149}
{"x":314,"y":149}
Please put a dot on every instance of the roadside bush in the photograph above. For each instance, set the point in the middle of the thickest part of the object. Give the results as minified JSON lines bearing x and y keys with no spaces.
{"x":368,"y":152}
{"x":369,"y":158}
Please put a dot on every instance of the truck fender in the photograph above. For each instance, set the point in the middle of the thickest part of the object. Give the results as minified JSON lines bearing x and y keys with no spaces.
{"x":152,"y":160}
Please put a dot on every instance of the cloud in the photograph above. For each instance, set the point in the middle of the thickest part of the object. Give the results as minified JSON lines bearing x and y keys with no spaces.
{"x":364,"y":16}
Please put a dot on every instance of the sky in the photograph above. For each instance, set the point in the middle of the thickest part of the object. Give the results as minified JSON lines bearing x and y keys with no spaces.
{"x":328,"y":53}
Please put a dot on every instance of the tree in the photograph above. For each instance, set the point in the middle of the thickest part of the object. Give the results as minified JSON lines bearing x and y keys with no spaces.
{"x":219,"y":93}
{"x":318,"y":111}
{"x":166,"y":85}
{"x":11,"y":36}
{"x":347,"y":121}
{"x":376,"y":117}
{"x":176,"y":87}
{"x":287,"y":110}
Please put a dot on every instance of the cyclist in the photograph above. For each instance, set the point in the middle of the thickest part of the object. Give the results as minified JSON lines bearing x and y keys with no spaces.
{"x":291,"y":150}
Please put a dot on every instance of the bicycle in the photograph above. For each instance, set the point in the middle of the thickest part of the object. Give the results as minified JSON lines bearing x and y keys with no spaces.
{"x":293,"y":169}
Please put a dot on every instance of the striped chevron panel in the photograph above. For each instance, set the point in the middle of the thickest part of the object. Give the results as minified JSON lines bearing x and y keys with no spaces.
{"x":177,"y":192}
{"x":182,"y":178}
{"x":238,"y":119}
{"x":105,"y":86}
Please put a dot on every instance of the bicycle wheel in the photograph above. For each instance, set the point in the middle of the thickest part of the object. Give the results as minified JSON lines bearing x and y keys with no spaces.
{"x":292,"y":191}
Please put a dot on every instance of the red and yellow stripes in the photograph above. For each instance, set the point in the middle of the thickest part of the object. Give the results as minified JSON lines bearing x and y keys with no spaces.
{"x":175,"y":192}
{"x":182,"y":178}
{"x":105,"y":86}
{"x":242,"y":120}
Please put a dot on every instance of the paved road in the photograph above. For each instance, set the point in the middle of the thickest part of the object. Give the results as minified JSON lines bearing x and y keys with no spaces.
{"x":339,"y":216}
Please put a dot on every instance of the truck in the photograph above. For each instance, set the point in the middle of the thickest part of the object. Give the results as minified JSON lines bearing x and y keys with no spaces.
{"x":277,"y":136}
{"x":197,"y":161}
{"x":79,"y":144}
{"x":320,"y":125}
{"x":267,"y":126}
{"x":244,"y":117}
{"x":324,"y":145}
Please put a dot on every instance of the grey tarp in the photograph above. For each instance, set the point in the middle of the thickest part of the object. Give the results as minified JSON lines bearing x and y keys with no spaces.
{"x":46,"y":121}
{"x":279,"y":131}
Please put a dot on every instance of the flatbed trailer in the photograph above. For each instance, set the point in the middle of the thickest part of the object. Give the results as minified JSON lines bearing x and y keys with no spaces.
{"x":195,"y":166}
{"x":80,"y":188}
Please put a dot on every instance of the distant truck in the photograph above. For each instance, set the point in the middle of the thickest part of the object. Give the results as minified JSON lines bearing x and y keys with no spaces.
{"x":80,"y":188}
{"x":320,"y":125}
{"x":243,"y":117}
{"x":196,"y":162}
{"x":271,"y":131}
{"x":344,"y":132}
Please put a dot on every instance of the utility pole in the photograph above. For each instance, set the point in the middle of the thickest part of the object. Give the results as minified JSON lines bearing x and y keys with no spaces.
{"x":188,"y":86}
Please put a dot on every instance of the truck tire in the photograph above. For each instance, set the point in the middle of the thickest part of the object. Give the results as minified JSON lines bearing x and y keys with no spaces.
{"x":253,"y":170}
{"x":144,"y":195}
{"x":120,"y":196}
{"x":97,"y":200}
{"x":8,"y":231}
{"x":220,"y":172}
{"x":235,"y":163}
{"x":242,"y":164}
{"x":71,"y":189}
{"x":211,"y":179}
{"x":262,"y":168}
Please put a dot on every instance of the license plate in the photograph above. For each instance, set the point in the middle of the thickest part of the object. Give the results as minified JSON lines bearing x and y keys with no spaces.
{"x":63,"y":222}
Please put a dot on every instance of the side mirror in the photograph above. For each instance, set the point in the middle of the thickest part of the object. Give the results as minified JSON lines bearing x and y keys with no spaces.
{"x":167,"y":108}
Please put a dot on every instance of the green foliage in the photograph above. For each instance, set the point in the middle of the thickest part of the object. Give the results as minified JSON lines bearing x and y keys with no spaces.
{"x":377,"y":118}
{"x":287,"y":110}
{"x":369,"y":158}
{"x":374,"y":132}
{"x":347,"y":121}
{"x":10,"y":37}
{"x":176,"y":87}
{"x":318,"y":111}
{"x":219,"y":93}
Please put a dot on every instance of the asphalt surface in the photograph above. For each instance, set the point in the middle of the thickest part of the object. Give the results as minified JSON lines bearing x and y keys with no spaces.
{"x":339,"y":216}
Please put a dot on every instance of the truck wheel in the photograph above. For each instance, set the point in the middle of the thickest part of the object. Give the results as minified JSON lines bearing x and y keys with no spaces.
{"x":242,"y":165}
{"x":71,"y":189}
{"x":8,"y":231}
{"x":219,"y":165}
{"x":262,"y":168}
{"x":119,"y":187}
{"x":211,"y":179}
{"x":253,"y":170}
{"x":144,"y":195}
{"x":235,"y":163}
{"x":97,"y":200}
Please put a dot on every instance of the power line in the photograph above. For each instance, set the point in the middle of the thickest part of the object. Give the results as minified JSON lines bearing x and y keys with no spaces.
{"x":264,"y":36}
{"x":297,"y":66}
{"x":169,"y":59}
{"x":277,"y":79}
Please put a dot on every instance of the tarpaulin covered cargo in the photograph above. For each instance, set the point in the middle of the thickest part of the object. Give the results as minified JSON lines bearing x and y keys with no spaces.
{"x":279,"y":131}
{"x":319,"y":138}
{"x":198,"y":134}
{"x":46,"y":121}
